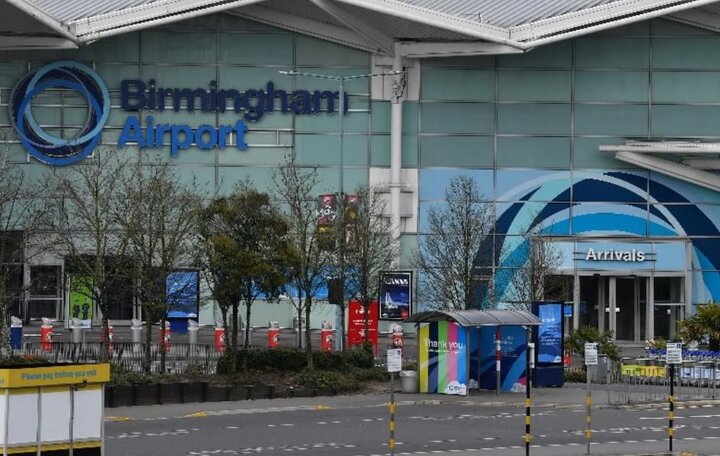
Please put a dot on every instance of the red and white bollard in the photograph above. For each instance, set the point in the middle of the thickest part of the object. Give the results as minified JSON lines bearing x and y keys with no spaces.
{"x":165,"y":337}
{"x":273,"y":336}
{"x":46,"y":335}
{"x":327,"y":339}
{"x":220,"y":341}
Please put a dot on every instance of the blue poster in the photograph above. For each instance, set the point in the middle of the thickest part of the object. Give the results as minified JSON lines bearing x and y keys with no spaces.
{"x":182,"y":294}
{"x":395,"y":295}
{"x":550,"y":334}
{"x":513,"y":345}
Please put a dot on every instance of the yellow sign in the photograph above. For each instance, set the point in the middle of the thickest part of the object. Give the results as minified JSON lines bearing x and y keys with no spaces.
{"x":71,"y":374}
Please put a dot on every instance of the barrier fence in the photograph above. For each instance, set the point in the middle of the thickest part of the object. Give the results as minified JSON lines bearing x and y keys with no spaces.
{"x":179,"y":357}
{"x":647,"y":380}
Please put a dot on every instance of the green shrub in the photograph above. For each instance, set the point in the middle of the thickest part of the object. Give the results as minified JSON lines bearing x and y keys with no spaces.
{"x":575,"y":342}
{"x":295,"y":360}
{"x":328,"y":381}
{"x":121,"y":376}
{"x":575,"y":376}
{"x":23,"y":361}
{"x":374,"y":374}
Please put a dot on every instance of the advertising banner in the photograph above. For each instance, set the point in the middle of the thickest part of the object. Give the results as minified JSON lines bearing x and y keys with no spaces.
{"x":550,"y":333}
{"x":443,"y":358}
{"x":325,"y":220}
{"x":356,"y":324}
{"x":80,"y":304}
{"x":513,"y":346}
{"x":395,"y":295}
{"x":183,"y":294}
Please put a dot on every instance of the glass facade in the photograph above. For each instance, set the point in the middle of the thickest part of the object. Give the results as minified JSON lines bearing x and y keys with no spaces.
{"x":527,"y":126}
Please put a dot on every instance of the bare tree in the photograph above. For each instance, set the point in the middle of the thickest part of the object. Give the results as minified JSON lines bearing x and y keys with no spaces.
{"x":87,"y":230}
{"x":21,"y":213}
{"x":532,"y":276}
{"x":369,"y":249}
{"x":307,"y":271}
{"x":159,"y":216}
{"x":457,"y":230}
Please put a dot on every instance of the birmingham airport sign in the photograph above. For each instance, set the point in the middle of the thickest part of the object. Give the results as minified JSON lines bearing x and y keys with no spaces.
{"x":137,"y":95}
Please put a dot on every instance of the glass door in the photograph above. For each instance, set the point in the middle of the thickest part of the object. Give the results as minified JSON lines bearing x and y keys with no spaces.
{"x":668,"y":306}
{"x":624,"y":308}
{"x":628,"y":308}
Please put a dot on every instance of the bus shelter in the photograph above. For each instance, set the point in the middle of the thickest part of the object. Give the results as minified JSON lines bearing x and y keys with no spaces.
{"x":460,"y":350}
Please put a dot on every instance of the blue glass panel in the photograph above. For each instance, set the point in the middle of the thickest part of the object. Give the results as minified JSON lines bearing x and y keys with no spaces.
{"x":702,"y":52}
{"x":685,"y":87}
{"x":679,"y":121}
{"x":611,"y":120}
{"x":611,"y":86}
{"x":522,"y":118}
{"x":533,"y":152}
{"x":611,"y":52}
{"x":433,"y":182}
{"x":456,"y":151}
{"x":448,"y":118}
{"x":536,"y":185}
{"x":457,"y":84}
{"x":534,"y":85}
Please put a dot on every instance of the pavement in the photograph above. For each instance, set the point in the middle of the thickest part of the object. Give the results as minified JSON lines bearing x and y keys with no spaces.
{"x":356,"y":425}
{"x":570,"y":396}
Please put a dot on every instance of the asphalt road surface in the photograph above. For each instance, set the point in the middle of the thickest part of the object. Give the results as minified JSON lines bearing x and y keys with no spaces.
{"x":360,"y":427}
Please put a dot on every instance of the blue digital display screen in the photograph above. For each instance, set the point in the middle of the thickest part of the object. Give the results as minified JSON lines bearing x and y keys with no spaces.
{"x":182,"y":294}
{"x":550,"y":342}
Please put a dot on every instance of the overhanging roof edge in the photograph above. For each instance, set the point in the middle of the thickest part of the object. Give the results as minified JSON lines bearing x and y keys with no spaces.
{"x":476,"y":318}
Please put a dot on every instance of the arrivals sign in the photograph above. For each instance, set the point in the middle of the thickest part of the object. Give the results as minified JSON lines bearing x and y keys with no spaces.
{"x":395,"y":295}
{"x":136,"y":95}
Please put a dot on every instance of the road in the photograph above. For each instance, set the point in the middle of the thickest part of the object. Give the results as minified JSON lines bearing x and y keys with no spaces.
{"x":359,"y":427}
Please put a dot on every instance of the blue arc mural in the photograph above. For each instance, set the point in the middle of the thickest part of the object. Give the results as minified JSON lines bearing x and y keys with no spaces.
{"x":604,"y":204}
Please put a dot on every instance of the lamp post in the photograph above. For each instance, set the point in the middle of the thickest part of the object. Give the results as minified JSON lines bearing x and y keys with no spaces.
{"x":340,"y":341}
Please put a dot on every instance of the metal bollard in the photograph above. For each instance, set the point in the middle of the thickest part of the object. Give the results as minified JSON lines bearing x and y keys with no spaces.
{"x":77,"y":331}
{"x":193,"y":330}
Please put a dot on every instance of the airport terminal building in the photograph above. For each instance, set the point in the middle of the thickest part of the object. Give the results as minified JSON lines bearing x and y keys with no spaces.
{"x":596,"y":123}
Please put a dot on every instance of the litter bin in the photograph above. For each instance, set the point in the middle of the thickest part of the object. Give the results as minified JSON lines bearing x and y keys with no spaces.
{"x":408,"y":381}
{"x":77,"y":331}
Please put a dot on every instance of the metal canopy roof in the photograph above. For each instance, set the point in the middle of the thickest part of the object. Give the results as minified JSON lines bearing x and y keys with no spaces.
{"x":449,"y":27}
{"x":475,"y":318}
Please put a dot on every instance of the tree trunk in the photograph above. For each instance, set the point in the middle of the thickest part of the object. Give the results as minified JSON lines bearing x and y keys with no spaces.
{"x":299,"y":327}
{"x":147,"y":358}
{"x":308,"y":344}
{"x":234,"y":325}
{"x":105,"y":340}
{"x":248,"y":305}
{"x":341,"y":329}
{"x":163,"y":346}
{"x":366,"y":315}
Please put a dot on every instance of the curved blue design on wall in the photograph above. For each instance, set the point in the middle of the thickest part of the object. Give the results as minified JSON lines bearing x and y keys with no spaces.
{"x":603,"y":204}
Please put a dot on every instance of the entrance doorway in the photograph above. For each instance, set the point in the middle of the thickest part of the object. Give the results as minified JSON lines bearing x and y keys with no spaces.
{"x":634,"y":308}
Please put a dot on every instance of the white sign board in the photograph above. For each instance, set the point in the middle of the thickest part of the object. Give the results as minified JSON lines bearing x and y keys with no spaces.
{"x":394,"y":360}
{"x":673,"y":353}
{"x":591,"y":354}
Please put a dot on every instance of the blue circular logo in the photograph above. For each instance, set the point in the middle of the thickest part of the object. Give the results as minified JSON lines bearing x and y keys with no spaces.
{"x":44,"y":146}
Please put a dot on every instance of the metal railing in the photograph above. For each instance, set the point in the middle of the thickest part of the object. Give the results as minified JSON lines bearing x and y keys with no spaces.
{"x":693,"y":381}
{"x":179,"y":357}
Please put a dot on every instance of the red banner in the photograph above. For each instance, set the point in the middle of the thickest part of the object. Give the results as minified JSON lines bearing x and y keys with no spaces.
{"x":356,"y":324}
